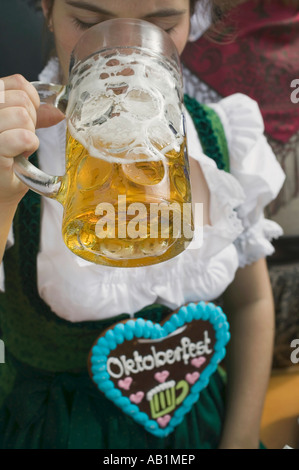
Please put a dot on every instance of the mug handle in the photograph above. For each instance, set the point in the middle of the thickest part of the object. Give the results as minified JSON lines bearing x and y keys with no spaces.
{"x":34,"y":178}
{"x":184,"y":387}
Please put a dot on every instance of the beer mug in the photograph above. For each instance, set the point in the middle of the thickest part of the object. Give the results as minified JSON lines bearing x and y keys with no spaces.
{"x":163,"y":399}
{"x":126,"y":190}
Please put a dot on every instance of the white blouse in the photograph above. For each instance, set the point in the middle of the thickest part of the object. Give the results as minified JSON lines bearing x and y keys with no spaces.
{"x":78,"y":290}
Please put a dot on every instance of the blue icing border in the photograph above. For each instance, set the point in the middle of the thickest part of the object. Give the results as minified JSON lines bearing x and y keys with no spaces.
{"x":141,"y":328}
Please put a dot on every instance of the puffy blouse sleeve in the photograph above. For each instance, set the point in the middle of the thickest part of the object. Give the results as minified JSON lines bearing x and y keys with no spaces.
{"x":254,"y":165}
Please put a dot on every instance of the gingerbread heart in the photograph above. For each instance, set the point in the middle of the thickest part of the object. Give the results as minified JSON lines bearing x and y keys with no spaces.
{"x":155,"y":372}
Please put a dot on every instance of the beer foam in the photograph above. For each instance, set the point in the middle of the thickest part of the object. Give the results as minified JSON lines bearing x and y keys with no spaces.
{"x":126,"y":107}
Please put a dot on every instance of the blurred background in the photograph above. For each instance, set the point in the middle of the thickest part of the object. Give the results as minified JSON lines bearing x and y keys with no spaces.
{"x":25,"y":43}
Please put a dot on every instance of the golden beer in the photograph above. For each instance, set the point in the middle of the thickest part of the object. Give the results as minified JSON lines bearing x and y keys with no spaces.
{"x":101,"y":223}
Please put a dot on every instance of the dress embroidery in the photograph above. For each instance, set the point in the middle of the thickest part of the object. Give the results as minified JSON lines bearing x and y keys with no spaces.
{"x":210,"y":131}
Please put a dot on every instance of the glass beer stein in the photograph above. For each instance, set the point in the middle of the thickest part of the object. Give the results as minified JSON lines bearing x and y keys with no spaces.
{"x":126,"y":189}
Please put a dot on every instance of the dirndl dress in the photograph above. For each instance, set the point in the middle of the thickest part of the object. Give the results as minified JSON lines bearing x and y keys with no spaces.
{"x":47,"y":398}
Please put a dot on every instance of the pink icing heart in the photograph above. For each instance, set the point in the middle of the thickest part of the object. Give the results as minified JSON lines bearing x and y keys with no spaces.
{"x":136,"y":397}
{"x":125,"y":383}
{"x":192,"y":378}
{"x":163,"y":420}
{"x":161,"y":376}
{"x":198,"y":361}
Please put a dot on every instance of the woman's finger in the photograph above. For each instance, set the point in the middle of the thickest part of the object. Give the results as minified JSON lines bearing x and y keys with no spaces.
{"x":48,"y":115}
{"x":15,"y":118}
{"x":18,"y":141}
{"x":19,"y":98}
{"x":18,"y":82}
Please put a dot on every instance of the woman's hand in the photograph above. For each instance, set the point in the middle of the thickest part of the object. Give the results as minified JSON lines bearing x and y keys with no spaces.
{"x":20,"y":115}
